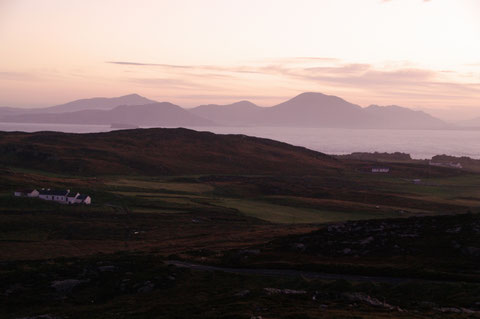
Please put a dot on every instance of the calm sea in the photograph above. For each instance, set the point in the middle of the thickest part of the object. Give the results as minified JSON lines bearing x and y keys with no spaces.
{"x":418,"y":143}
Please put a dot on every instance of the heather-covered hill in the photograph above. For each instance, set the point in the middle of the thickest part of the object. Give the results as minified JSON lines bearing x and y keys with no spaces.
{"x":159,"y":152}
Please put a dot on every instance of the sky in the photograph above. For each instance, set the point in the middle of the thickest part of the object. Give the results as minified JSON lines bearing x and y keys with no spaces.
{"x":415,"y":53}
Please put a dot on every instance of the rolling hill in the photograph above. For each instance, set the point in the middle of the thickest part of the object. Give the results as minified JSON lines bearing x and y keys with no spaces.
{"x":97,"y":103}
{"x":155,"y":114}
{"x":304,"y":110}
{"x":393,"y":116}
{"x":318,"y":110}
{"x":240,"y":113}
{"x":159,"y":152}
{"x":473,"y":123}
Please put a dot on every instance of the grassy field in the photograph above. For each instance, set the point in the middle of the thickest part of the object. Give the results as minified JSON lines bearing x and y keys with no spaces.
{"x":137,"y":222}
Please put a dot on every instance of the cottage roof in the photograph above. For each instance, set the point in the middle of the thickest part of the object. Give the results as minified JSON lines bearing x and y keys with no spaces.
{"x":25,"y":191}
{"x":82,"y":196}
{"x":53,"y":192}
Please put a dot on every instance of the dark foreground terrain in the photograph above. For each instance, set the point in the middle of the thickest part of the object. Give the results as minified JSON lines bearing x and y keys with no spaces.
{"x":298,"y":276}
{"x":175,"y":239}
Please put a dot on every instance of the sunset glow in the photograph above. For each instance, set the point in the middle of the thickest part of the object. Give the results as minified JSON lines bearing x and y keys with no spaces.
{"x":419,"y":54}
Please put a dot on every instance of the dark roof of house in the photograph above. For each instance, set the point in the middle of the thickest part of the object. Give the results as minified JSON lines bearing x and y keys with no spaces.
{"x":82,"y":197}
{"x":25,"y":191}
{"x":54,"y":192}
{"x":72,"y":194}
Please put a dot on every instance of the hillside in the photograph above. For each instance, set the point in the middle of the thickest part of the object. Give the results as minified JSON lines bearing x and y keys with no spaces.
{"x":316,"y":110}
{"x":312,"y":109}
{"x":240,"y":113}
{"x":473,"y":123}
{"x":155,"y":114}
{"x":97,"y":103}
{"x":304,"y":110}
{"x":159,"y":152}
{"x":394,"y":116}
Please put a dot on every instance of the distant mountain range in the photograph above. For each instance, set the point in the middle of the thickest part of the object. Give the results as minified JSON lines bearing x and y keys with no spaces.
{"x":304,"y":110}
{"x":473,"y":123}
{"x":153,"y":114}
{"x":97,"y":103}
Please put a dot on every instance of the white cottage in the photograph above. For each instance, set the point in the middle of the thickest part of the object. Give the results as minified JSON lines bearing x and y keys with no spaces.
{"x":55,"y":195}
{"x":60,"y":196}
{"x":26,"y":193}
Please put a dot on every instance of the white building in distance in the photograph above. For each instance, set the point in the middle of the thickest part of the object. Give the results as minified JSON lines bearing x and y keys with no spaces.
{"x":380,"y":170}
{"x":59,"y":196}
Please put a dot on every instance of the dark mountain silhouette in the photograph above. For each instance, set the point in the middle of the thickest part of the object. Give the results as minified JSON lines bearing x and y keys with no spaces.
{"x":316,"y":110}
{"x":5,"y":110}
{"x":155,"y":114}
{"x":394,"y":116}
{"x":304,"y":110}
{"x":97,"y":103}
{"x":239,"y":113}
{"x":159,"y":152}
{"x":319,"y":110}
{"x":473,"y":123}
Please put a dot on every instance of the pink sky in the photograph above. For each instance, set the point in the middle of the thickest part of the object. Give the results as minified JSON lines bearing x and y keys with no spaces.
{"x":415,"y":53}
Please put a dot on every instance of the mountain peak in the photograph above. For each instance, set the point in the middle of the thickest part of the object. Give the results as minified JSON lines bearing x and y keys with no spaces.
{"x":133,"y":95}
{"x":244,"y":103}
{"x":310,"y":98}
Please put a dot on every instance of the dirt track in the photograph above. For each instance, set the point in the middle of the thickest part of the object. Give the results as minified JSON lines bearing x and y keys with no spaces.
{"x":294,"y":273}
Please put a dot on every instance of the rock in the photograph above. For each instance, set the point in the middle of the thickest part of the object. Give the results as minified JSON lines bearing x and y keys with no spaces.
{"x":249,"y":251}
{"x":147,"y":286}
{"x":65,"y":286}
{"x":367,"y":240}
{"x":454,"y":230}
{"x":347,"y":251}
{"x":298,"y":246}
{"x":242,"y":293}
{"x":107,"y":268}
{"x":358,"y":296}
{"x":13,"y":289}
{"x":449,"y":309}
{"x":276,"y":291}
{"x":427,"y":304}
{"x":471,"y":251}
{"x":469,"y":311}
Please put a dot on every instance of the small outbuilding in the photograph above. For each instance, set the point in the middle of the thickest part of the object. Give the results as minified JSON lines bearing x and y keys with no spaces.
{"x":26,"y":193}
{"x":380,"y":169}
{"x":83,"y":199}
{"x":72,"y":197}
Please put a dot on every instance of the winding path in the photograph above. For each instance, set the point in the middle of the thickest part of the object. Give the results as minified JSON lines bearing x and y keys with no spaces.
{"x":299,"y":273}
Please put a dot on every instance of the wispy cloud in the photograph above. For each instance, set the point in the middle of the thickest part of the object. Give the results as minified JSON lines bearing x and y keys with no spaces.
{"x":150,"y":64}
{"x":18,"y":76}
{"x":384,"y":1}
{"x":417,"y":85}
{"x":234,"y":69}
